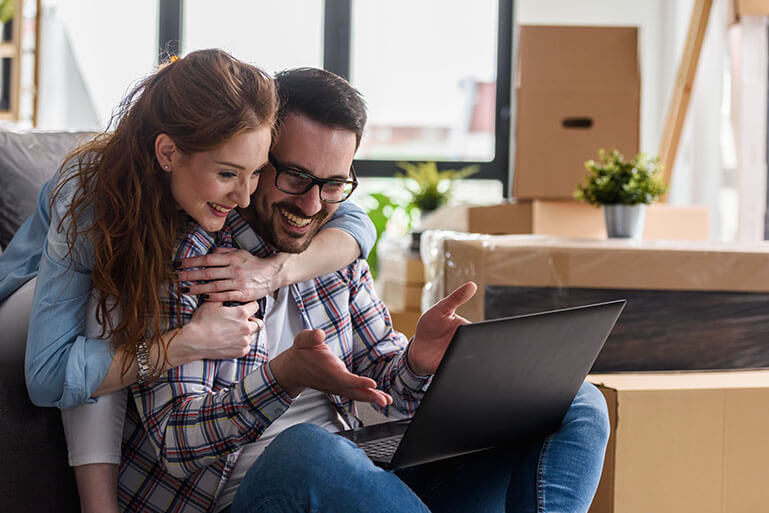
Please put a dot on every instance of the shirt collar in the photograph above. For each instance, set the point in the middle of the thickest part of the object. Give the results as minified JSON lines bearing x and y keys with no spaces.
{"x":246,"y":238}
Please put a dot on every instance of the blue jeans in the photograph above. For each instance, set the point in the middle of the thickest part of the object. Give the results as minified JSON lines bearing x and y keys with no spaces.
{"x":306,"y":469}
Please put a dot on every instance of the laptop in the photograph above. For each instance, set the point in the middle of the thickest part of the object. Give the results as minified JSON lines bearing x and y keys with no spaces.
{"x":500,"y":381}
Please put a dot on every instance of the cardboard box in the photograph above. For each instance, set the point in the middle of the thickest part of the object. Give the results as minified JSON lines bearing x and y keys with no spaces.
{"x":579,"y":220}
{"x":691,"y":305}
{"x":401,"y":296}
{"x":540,"y":261}
{"x":578,"y":91}
{"x":685,"y":442}
{"x":405,"y":322}
{"x":738,"y":8}
{"x":404,"y":268}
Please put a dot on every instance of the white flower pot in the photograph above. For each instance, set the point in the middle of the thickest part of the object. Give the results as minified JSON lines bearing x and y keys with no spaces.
{"x":625,"y":221}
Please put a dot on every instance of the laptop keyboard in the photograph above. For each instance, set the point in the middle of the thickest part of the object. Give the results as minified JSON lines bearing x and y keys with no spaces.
{"x":382,"y":449}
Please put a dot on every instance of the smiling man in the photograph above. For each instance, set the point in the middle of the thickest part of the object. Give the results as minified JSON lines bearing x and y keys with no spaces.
{"x":306,"y":149}
{"x":256,"y":434}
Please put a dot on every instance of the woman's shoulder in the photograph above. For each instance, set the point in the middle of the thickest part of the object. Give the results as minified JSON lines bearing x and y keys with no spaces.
{"x":70,"y":181}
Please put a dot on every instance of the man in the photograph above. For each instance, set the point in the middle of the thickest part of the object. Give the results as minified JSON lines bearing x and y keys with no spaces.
{"x":251,"y":432}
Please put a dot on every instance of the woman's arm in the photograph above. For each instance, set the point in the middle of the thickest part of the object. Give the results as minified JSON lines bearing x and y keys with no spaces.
{"x":215,"y":332}
{"x":236,"y":275}
{"x":63,"y":367}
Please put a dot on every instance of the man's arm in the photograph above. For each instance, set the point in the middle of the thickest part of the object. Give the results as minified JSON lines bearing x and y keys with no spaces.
{"x":193,"y":425}
{"x":402,"y":369}
{"x":379,"y":352}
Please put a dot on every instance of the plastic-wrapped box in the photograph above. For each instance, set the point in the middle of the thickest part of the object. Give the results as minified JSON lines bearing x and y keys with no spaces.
{"x":691,"y":305}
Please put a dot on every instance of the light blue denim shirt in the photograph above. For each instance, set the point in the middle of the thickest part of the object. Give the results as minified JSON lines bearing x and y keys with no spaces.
{"x":63,"y":367}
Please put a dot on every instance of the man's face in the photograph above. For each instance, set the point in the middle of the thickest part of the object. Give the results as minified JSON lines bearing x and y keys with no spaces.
{"x":289,"y":222}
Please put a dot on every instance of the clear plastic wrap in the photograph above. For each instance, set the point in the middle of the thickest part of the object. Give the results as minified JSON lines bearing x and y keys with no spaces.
{"x":691,"y":305}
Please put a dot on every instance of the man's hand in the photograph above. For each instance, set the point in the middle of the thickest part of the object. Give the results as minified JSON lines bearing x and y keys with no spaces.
{"x":309,"y":363}
{"x":436,"y":328}
{"x":215,"y":332}
{"x":233,"y":274}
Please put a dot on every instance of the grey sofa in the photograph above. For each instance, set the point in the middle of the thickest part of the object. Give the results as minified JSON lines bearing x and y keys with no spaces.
{"x":33,"y":462}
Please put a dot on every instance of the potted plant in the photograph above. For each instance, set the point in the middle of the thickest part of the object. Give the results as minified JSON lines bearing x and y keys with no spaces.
{"x":623,"y":189}
{"x":430,"y":188}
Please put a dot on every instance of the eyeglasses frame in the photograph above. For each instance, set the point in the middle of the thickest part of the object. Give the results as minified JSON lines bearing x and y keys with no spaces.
{"x":320,"y":182}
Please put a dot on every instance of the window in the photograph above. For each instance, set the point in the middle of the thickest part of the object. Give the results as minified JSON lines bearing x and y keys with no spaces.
{"x":436,"y":74}
{"x":91,"y":52}
{"x":429,"y":78}
{"x":256,"y":31}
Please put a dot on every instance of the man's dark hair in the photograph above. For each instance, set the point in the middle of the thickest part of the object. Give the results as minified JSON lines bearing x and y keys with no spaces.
{"x":323,"y":97}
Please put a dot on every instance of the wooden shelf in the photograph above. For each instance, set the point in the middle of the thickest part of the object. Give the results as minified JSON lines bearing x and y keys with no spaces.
{"x":8,"y":50}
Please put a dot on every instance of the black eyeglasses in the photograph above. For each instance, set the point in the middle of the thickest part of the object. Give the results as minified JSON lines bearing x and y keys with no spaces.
{"x":296,"y":181}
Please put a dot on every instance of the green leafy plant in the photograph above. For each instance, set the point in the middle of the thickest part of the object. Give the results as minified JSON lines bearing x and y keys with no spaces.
{"x":7,"y":10}
{"x":612,"y":181}
{"x":429,"y":187}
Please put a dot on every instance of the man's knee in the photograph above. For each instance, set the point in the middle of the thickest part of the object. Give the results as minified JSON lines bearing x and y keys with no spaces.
{"x":308,"y":449}
{"x":589,"y":412}
{"x":307,"y":466}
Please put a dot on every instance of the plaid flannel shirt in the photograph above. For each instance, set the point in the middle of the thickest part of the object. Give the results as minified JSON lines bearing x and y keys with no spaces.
{"x":184,"y":432}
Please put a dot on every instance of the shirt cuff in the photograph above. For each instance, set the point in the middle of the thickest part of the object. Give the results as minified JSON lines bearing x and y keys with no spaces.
{"x":88,"y":361}
{"x":266,"y":398}
{"x":413,"y":381}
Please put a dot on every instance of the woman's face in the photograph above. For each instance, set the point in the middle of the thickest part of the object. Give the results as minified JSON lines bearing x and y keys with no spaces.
{"x":207,"y":185}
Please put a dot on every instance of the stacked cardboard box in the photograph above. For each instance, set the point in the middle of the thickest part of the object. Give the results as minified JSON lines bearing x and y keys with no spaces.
{"x":568,"y":107}
{"x":578,"y":220}
{"x":691,"y":441}
{"x":691,"y":305}
{"x":400,"y":280}
{"x":685,"y":442}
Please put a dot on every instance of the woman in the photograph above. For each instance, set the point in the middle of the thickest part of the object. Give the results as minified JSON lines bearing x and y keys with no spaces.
{"x":187,"y":149}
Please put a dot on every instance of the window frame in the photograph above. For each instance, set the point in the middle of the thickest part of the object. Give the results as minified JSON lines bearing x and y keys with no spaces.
{"x":337,"y":34}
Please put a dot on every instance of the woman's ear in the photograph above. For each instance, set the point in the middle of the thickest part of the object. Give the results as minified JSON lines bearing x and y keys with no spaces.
{"x":165,"y":149}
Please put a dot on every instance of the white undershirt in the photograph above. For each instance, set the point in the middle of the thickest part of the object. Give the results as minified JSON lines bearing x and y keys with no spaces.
{"x":283,"y":322}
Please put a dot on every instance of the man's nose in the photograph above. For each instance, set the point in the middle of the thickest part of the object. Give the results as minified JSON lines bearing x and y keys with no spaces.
{"x":310,"y":202}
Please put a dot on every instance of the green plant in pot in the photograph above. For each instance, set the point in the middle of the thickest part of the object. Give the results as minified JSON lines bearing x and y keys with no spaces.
{"x":623,"y":188}
{"x":431,"y":188}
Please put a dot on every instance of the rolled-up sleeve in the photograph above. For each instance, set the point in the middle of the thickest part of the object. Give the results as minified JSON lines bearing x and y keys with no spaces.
{"x":351,"y":219}
{"x":63,"y":367}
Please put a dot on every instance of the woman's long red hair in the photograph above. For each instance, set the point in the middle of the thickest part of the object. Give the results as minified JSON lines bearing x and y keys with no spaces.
{"x":122,"y":202}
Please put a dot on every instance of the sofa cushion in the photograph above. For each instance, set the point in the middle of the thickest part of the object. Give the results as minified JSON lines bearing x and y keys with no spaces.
{"x":27,"y":160}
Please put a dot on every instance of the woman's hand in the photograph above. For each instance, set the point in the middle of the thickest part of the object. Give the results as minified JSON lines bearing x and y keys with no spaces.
{"x":233,"y":274}
{"x":215,"y":332}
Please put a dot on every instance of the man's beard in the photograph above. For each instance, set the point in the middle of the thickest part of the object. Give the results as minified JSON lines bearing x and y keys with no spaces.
{"x":271,"y":228}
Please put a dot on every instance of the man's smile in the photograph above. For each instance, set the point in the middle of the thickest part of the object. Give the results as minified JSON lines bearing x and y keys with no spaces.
{"x":294,"y":220}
